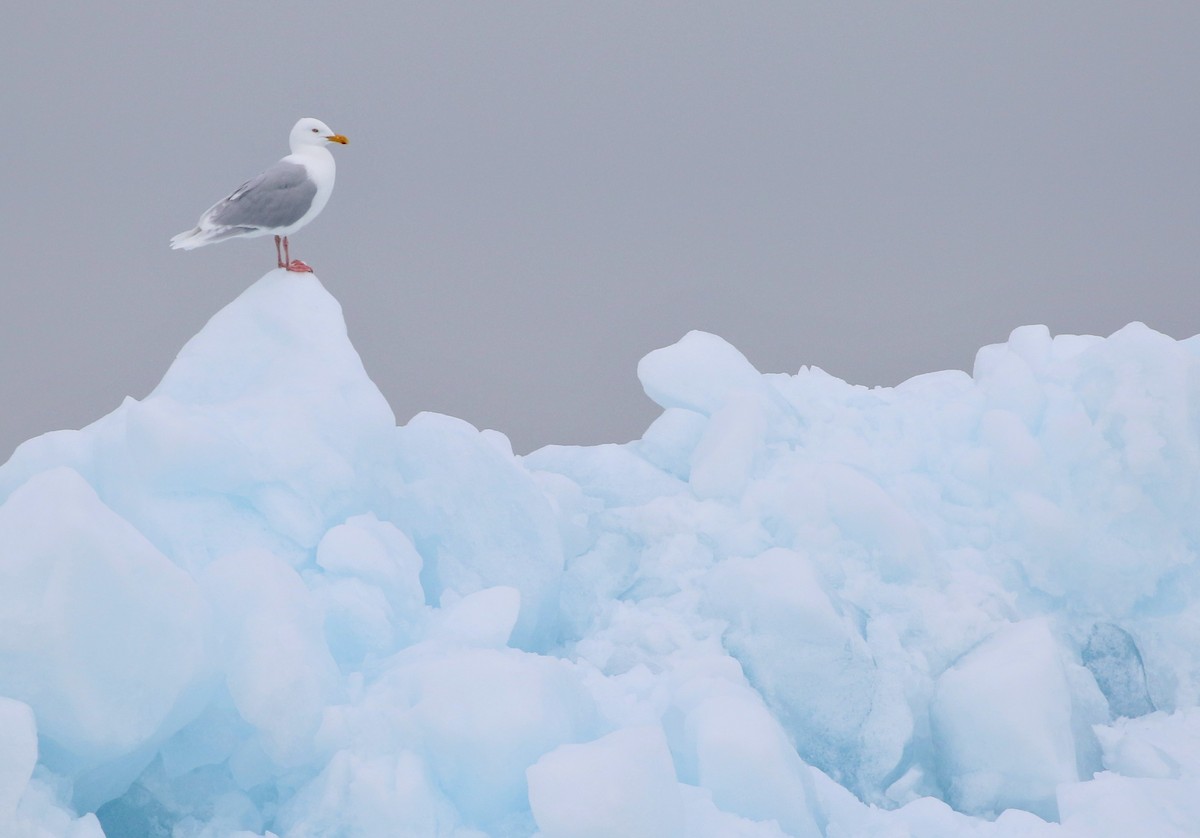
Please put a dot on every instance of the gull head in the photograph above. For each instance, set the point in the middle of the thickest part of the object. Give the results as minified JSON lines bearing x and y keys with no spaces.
{"x":310,"y":132}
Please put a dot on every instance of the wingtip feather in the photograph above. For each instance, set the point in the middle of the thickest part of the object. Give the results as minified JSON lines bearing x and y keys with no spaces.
{"x":186,"y":240}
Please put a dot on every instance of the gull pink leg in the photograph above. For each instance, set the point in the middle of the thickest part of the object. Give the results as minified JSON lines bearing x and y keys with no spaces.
{"x":296,"y":266}
{"x":279,"y":263}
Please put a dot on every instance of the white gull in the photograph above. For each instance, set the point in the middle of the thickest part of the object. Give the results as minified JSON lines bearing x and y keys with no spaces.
{"x":279,"y":201}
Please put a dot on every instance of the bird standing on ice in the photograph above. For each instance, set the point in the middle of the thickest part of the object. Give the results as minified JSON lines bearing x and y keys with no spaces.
{"x":279,"y":201}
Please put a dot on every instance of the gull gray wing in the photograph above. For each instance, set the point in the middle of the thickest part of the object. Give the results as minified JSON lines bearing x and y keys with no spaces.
{"x":277,"y":198}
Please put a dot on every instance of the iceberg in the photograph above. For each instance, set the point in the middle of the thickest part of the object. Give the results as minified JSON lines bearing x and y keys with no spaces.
{"x":250,"y":604}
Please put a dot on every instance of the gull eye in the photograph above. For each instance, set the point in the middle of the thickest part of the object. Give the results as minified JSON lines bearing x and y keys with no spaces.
{"x":315,"y":131}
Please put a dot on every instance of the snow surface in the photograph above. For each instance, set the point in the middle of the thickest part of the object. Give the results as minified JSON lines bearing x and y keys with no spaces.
{"x":249,"y":604}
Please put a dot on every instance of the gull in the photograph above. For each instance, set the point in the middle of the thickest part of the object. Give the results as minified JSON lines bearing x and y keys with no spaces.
{"x":279,"y":201}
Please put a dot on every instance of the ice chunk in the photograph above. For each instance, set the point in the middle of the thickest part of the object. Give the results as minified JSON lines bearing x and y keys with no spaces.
{"x":371,"y":591}
{"x":669,"y":441}
{"x":359,"y":621}
{"x":789,"y":634}
{"x":279,"y":671}
{"x":1114,"y":660}
{"x":18,"y":754}
{"x":99,"y":633}
{"x":485,"y":618}
{"x":479,"y":520}
{"x":1002,"y":727}
{"x":1007,"y":380}
{"x":612,"y":473}
{"x":357,"y":794}
{"x":480,"y":718}
{"x":42,"y":814}
{"x":1158,"y":745}
{"x":209,"y":739}
{"x":724,"y":459}
{"x":728,"y":743}
{"x":704,"y":820}
{"x":929,"y":817}
{"x":866,"y":515}
{"x":700,"y":373}
{"x":621,"y":784}
{"x":1118,"y":806}
{"x":265,"y":432}
{"x":377,"y":552}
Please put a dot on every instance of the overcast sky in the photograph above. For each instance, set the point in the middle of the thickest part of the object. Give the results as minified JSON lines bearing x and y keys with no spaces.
{"x":537,"y":194}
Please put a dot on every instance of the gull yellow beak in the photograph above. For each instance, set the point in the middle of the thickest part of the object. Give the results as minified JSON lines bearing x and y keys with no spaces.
{"x":337,"y":138}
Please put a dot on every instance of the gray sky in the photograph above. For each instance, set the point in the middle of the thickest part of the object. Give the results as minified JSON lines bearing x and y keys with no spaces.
{"x":537,"y":194}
